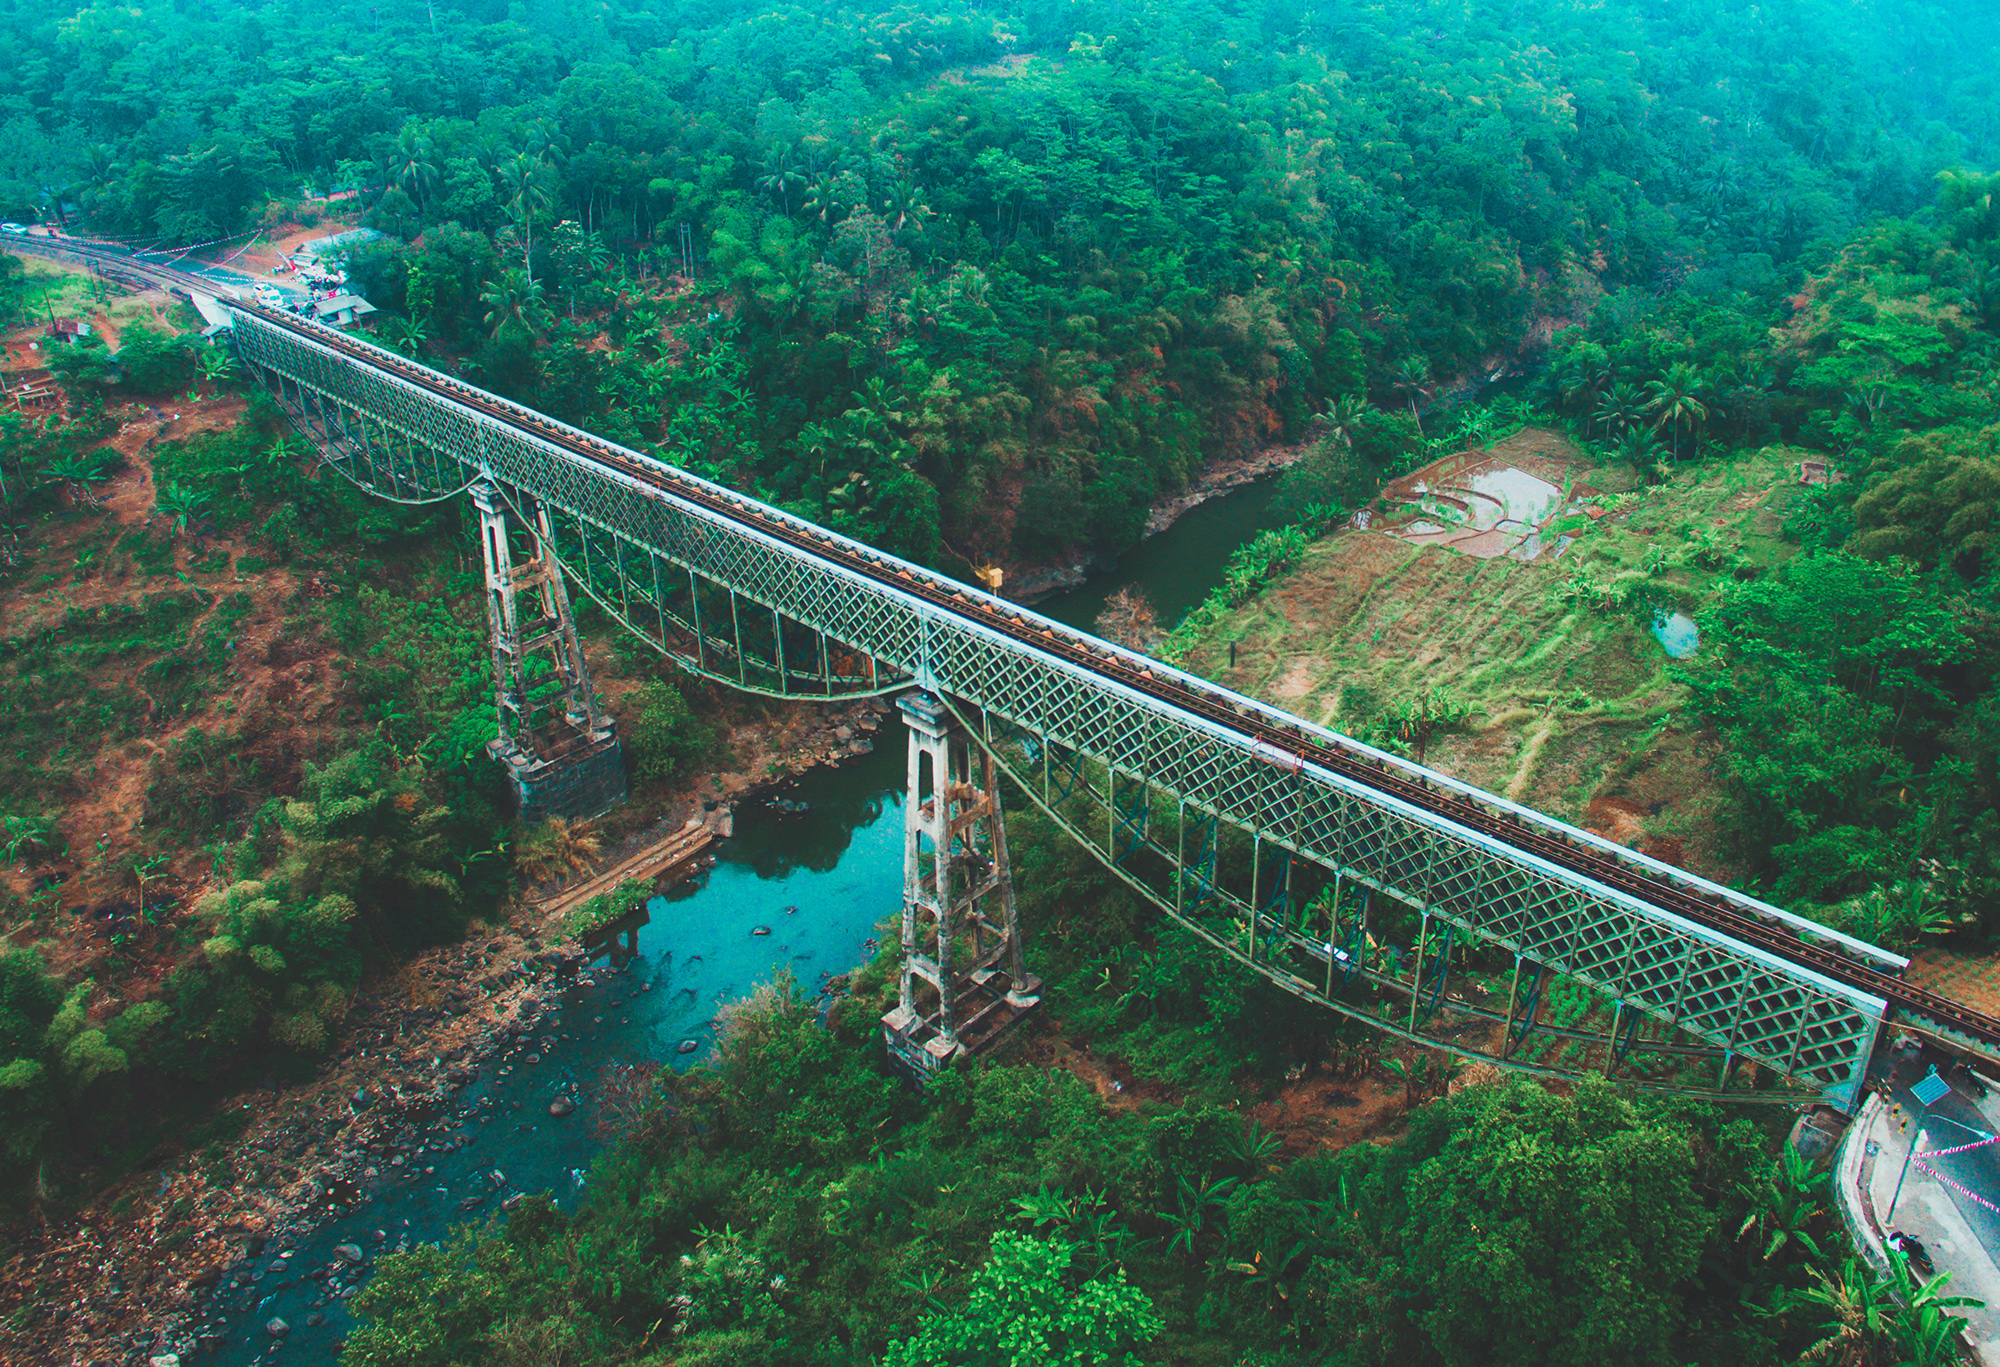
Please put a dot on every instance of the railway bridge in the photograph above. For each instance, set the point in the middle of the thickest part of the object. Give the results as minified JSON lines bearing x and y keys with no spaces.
{"x":1347,"y":876}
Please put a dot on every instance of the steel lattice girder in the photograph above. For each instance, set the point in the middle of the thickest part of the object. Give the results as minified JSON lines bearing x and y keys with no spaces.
{"x":1731,"y":994}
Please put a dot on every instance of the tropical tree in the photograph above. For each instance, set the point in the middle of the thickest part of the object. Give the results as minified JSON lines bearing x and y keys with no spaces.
{"x":780,"y":178}
{"x":77,"y":473}
{"x":1025,"y":1306}
{"x":516,"y":299}
{"x":1621,"y":409}
{"x":822,"y":200}
{"x":1787,"y":1205}
{"x":525,"y":178}
{"x":1640,"y":449}
{"x":1341,"y":417}
{"x":905,"y":205}
{"x":1409,"y":379}
{"x":413,"y":168}
{"x":1674,"y":401}
{"x":217,"y":366}
{"x":406,"y":335}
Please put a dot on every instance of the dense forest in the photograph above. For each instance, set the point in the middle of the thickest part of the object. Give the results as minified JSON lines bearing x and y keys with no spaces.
{"x":980,"y":285}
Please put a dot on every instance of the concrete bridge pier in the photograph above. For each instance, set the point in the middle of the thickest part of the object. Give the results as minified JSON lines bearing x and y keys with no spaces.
{"x":963,"y":984}
{"x":560,"y":750}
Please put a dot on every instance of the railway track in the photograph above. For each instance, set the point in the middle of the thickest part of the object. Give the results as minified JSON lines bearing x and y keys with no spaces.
{"x":1279,"y":743}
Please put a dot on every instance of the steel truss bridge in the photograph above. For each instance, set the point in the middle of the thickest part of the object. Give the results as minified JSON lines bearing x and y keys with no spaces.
{"x":1280,"y":844}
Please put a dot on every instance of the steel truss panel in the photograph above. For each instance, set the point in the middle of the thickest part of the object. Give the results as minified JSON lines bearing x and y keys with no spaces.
{"x":1731,"y":994}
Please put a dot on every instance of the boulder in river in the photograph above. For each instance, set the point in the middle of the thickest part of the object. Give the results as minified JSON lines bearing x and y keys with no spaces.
{"x":276,"y":1327}
{"x":761,"y":930}
{"x":351,"y":1252}
{"x":561,"y":1106}
{"x":688,"y":1046}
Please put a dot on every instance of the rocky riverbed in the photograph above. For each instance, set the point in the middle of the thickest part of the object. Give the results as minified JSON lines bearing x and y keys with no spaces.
{"x":172,"y":1261}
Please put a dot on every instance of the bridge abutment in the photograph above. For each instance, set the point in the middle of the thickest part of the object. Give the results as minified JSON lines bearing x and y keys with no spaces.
{"x":963,"y":985}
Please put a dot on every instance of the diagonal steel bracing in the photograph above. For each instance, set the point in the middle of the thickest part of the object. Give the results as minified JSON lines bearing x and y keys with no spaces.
{"x":741,"y":605}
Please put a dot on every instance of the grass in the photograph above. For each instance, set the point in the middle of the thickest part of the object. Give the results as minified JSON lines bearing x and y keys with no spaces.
{"x":1568,"y":698}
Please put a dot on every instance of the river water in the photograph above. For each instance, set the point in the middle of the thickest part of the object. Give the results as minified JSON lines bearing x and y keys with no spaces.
{"x":820,"y":879}
{"x":1177,"y":568}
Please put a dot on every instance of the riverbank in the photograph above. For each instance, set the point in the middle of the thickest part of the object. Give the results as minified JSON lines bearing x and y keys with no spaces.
{"x":165,"y":1261}
{"x":1031,"y":583}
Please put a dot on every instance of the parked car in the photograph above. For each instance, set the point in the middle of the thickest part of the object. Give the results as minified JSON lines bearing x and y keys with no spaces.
{"x":21,"y":228}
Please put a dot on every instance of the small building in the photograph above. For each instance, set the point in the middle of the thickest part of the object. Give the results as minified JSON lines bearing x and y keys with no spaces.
{"x":342,"y":309}
{"x":69,"y":329}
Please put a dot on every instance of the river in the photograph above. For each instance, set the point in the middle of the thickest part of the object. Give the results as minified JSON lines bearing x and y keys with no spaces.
{"x":821,"y":879}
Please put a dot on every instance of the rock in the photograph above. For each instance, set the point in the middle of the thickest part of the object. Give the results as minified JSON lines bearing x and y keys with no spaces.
{"x":561,"y":1106}
{"x":688,"y":1046}
{"x":276,"y":1327}
{"x":351,"y":1252}
{"x":497,"y":1178}
{"x":761,"y":930}
{"x":315,"y":1320}
{"x":360,"y":1098}
{"x":495,"y":946}
{"x":512,"y":1202}
{"x":164,"y":1360}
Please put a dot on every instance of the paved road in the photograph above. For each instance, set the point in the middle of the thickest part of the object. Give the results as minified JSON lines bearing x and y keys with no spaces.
{"x":1956,"y":1119}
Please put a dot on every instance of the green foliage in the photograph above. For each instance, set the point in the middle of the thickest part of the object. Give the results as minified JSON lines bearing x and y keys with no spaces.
{"x":153,"y":362}
{"x":665,"y":738}
{"x":606,"y":907}
{"x":1025,"y":1308}
{"x":1830,"y":681}
{"x":1252,"y":565}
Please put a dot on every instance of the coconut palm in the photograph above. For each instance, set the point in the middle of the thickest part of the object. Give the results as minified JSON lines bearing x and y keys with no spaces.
{"x":905,"y":205}
{"x":1621,"y":410}
{"x":1341,"y":417}
{"x":413,"y":168}
{"x":513,"y":298}
{"x":1640,"y":449}
{"x":1674,"y":401}
{"x":525,"y":176}
{"x":1409,"y":379}
{"x":780,"y":179}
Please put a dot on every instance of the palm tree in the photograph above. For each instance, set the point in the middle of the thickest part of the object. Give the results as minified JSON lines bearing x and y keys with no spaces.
{"x":413,"y":168}
{"x":1856,"y":1313}
{"x":1674,"y":399}
{"x":905,"y":204}
{"x":1621,"y":410}
{"x":1788,"y":1206}
{"x":779,"y":179}
{"x":820,"y":202}
{"x":1640,"y":449}
{"x":1341,"y":417}
{"x":1409,"y":379}
{"x":513,"y":298}
{"x":526,"y":179}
